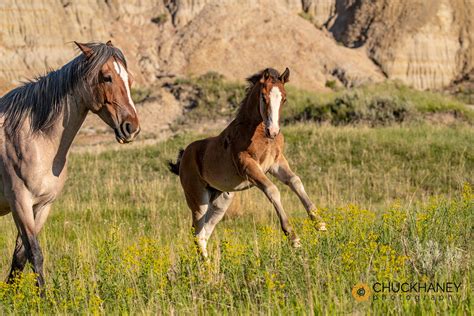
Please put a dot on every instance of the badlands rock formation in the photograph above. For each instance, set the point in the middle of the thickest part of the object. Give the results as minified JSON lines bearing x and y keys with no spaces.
{"x":427,"y":44}
{"x":224,"y":39}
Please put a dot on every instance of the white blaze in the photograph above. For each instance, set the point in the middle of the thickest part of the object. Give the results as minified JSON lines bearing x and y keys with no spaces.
{"x":124,"y":76}
{"x":275,"y":102}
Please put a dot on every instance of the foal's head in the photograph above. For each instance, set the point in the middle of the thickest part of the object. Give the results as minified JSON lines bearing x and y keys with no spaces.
{"x":110,"y":84}
{"x":272,"y":97}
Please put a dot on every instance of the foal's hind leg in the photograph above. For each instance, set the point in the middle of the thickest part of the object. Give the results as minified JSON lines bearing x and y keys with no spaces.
{"x":218,"y":205}
{"x":207,"y":207}
{"x":197,"y":198}
{"x":282,"y":171}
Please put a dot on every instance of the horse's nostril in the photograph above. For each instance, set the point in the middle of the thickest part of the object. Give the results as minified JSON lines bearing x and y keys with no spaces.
{"x":128,"y":128}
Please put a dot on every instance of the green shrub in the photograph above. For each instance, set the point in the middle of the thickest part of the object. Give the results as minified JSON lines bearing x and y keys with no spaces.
{"x":160,"y":19}
{"x":372,"y":104}
{"x":139,"y":94}
{"x":331,"y":84}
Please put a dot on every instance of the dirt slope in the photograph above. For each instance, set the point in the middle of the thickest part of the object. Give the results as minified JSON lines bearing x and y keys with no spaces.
{"x":236,"y":43}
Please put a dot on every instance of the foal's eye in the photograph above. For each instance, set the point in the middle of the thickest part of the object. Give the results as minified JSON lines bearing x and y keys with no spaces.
{"x":107,"y":78}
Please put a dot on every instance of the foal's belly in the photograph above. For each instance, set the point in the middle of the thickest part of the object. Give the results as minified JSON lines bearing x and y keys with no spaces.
{"x":223,"y":176}
{"x":227,"y":184}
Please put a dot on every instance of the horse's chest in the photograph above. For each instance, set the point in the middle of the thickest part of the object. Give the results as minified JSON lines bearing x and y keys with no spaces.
{"x":41,"y":180}
{"x":267,"y":160}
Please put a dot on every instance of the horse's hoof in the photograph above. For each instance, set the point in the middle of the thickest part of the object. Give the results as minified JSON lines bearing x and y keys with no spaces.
{"x":296,"y":243}
{"x":321,"y":227}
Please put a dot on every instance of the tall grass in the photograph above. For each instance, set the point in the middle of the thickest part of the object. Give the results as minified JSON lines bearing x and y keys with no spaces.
{"x":398,"y":202}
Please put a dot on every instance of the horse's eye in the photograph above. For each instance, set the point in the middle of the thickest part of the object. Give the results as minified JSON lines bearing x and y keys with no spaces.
{"x":107,"y":78}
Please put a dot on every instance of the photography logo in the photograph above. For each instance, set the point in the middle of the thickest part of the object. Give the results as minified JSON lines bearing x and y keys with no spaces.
{"x":361,"y":292}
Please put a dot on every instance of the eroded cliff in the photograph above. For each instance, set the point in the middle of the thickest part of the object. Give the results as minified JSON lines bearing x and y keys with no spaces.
{"x":426,"y":44}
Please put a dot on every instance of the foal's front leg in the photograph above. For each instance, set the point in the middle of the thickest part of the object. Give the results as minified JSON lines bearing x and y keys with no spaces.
{"x":258,"y":178}
{"x":282,"y":171}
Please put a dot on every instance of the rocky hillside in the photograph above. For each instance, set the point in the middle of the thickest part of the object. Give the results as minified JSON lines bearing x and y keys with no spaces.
{"x":424,"y":44}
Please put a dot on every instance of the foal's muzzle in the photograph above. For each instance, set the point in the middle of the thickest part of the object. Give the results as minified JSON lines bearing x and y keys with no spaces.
{"x":271,"y":132}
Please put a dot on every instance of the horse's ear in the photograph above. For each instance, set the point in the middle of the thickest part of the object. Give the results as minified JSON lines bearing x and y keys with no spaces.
{"x":86,"y":50}
{"x":109,"y":43}
{"x":285,"y":76}
{"x":265,"y":75}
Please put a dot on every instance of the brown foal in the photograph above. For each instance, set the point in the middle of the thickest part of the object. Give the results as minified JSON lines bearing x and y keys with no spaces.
{"x":239,"y":158}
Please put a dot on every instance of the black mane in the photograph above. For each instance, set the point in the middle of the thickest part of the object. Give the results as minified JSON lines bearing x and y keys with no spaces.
{"x":253,"y":80}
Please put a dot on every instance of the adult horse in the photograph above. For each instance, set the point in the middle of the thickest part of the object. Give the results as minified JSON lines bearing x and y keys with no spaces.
{"x":252,"y":145}
{"x":40,"y":119}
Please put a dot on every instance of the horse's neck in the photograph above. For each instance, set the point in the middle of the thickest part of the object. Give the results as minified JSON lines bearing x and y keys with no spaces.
{"x":249,"y":118}
{"x":67,"y":126}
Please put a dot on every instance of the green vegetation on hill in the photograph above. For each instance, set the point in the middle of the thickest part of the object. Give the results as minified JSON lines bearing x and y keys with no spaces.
{"x":374,"y":104}
{"x":397,"y":200}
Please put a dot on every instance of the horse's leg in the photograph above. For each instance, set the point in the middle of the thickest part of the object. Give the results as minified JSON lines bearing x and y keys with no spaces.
{"x":18,"y":261}
{"x":218,"y":205}
{"x":41,"y":214}
{"x":23,"y":215}
{"x":197,"y":198}
{"x":282,"y":171}
{"x":19,"y":255}
{"x":257,"y":177}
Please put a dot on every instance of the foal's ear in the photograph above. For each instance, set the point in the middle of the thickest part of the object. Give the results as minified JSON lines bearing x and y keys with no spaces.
{"x":265,"y":75}
{"x":109,"y":43}
{"x":285,"y":76}
{"x":86,"y":50}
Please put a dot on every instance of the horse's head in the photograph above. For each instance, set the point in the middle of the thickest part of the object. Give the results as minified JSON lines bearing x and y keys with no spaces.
{"x":272,"y":97}
{"x":110,"y":85}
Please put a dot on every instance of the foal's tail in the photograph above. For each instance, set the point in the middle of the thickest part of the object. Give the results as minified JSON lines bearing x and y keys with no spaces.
{"x":174,"y":167}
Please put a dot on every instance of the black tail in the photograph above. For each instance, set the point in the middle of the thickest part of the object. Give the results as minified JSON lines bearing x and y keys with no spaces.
{"x":174,"y":167}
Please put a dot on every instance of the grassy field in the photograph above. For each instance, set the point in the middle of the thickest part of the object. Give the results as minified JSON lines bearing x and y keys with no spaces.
{"x":397,"y":200}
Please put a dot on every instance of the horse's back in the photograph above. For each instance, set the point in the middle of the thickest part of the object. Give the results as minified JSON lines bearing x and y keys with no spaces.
{"x":211,"y":159}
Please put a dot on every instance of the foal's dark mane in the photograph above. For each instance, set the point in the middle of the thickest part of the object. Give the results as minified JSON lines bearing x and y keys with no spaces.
{"x":43,"y":98}
{"x":252,"y":81}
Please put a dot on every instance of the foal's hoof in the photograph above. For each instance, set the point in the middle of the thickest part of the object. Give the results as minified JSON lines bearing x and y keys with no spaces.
{"x":321,"y":227}
{"x":296,"y":243}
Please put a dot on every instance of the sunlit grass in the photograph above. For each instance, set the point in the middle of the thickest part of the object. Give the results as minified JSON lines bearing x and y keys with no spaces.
{"x":119,"y":239}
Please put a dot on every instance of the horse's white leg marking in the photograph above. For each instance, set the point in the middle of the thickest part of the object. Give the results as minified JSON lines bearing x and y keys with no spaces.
{"x":283,"y":173}
{"x":297,"y":186}
{"x":217,"y":209}
{"x":201,"y":236}
{"x":199,"y":218}
{"x":124,"y":76}
{"x":215,"y":212}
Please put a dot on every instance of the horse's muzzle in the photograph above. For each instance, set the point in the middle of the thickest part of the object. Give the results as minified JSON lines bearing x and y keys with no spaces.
{"x":127,"y":132}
